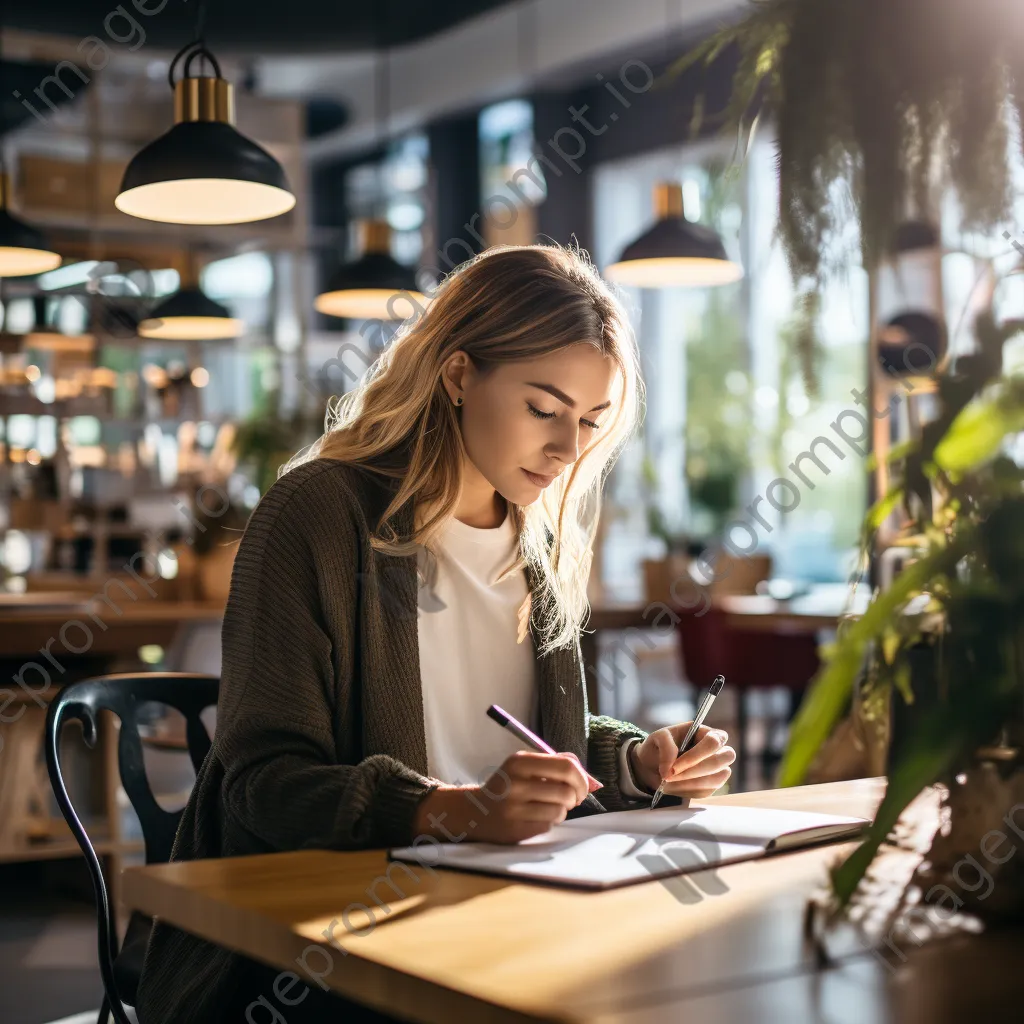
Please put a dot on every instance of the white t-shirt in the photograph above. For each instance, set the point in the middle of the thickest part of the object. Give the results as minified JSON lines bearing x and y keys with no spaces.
{"x":469,"y":655}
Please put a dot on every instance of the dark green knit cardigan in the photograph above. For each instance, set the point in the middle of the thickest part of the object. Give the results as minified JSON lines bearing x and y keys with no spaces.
{"x":320,"y":737}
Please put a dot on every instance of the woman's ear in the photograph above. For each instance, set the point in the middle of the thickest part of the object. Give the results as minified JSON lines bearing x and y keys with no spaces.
{"x":453,"y":372}
{"x":456,"y":375}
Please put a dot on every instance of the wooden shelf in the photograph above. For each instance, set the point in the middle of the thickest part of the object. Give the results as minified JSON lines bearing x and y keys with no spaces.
{"x":116,"y":224}
{"x":28,"y":405}
{"x":111,"y":530}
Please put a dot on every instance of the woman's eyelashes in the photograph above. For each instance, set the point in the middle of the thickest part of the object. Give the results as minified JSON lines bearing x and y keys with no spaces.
{"x":551,"y":415}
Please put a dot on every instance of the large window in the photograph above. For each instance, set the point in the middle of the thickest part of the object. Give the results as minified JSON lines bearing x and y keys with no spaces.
{"x":394,"y":189}
{"x":510,"y":196}
{"x":728,"y":407}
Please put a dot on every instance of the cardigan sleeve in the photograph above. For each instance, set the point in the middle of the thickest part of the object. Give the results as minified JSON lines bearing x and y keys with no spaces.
{"x":604,"y":750}
{"x":605,"y":739}
{"x":283,"y":787}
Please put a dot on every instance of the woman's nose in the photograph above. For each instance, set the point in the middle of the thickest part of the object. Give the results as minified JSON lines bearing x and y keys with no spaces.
{"x":566,"y":447}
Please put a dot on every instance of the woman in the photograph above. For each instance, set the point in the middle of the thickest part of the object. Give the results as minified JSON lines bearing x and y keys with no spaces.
{"x":426,"y":558}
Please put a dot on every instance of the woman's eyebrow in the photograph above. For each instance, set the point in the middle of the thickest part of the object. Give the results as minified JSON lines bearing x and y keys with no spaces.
{"x":563,"y":397}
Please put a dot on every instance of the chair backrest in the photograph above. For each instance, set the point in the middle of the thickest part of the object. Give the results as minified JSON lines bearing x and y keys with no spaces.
{"x":705,"y":646}
{"x":776,"y":658}
{"x":187,"y":692}
{"x":123,"y":695}
{"x":747,"y":658}
{"x":740,"y":574}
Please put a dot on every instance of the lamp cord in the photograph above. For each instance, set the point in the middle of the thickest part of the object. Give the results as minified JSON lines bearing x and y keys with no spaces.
{"x":3,"y":133}
{"x":526,"y":42}
{"x":196,"y":48}
{"x":382,"y":97}
{"x":201,"y":19}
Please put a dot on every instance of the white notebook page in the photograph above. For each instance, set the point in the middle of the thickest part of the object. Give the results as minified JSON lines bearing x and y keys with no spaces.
{"x":591,"y":860}
{"x":589,"y":852}
{"x":725,"y":822}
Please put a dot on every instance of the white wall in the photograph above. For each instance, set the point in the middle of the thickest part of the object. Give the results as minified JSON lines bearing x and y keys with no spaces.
{"x":489,"y":57}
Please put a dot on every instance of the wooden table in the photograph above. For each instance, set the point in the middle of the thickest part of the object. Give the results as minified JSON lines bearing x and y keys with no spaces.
{"x":811,"y":613}
{"x":447,"y":945}
{"x":24,"y":629}
{"x":945,"y":982}
{"x":608,"y":616}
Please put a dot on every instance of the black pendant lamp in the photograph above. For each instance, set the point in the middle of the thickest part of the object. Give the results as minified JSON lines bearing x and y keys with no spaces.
{"x":375,"y":286}
{"x":23,"y":249}
{"x":190,"y":315}
{"x":203,"y":171}
{"x":675,"y":252}
{"x":912,"y":338}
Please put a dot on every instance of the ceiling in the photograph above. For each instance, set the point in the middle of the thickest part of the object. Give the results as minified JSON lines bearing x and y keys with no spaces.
{"x":252,"y":26}
{"x":386,"y":67}
{"x":19,"y":78}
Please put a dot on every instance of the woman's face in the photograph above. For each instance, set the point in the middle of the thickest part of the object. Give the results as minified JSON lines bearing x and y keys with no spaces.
{"x":525,"y":423}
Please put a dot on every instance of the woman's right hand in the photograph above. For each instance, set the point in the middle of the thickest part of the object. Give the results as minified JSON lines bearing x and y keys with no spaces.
{"x":528,"y":794}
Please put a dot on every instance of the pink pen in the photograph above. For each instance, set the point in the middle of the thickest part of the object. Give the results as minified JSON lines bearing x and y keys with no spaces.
{"x":529,"y":737}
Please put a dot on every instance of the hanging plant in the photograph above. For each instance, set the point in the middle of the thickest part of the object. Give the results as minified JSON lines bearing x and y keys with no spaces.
{"x":879,"y":105}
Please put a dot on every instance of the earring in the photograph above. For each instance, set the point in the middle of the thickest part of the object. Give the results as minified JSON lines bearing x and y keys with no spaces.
{"x":458,"y":401}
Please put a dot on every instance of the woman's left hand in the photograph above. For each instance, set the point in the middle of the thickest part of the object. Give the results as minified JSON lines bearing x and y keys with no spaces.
{"x":697,"y":773}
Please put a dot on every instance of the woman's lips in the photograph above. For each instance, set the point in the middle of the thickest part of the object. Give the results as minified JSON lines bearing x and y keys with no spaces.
{"x":539,"y":481}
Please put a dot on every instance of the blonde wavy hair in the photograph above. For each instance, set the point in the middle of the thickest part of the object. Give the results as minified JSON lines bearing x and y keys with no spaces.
{"x":507,"y":304}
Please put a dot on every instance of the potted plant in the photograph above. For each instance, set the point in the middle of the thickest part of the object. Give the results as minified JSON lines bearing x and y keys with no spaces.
{"x":215,"y":541}
{"x":267,"y":441}
{"x":713,"y":473}
{"x":661,"y":573}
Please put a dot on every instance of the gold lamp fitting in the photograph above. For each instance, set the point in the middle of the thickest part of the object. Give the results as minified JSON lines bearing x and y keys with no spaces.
{"x":668,"y":199}
{"x":375,"y":236}
{"x":204,"y":99}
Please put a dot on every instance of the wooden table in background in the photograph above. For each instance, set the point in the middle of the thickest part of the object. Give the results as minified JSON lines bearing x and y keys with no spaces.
{"x":607,"y":616}
{"x":807,"y":614}
{"x":29,"y":624}
{"x":754,"y":612}
{"x":25,"y":628}
{"x":447,"y":945}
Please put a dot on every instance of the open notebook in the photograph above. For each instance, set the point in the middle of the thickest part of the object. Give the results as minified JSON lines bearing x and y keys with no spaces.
{"x":601,"y":851}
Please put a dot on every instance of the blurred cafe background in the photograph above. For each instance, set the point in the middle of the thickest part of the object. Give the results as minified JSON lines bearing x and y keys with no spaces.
{"x":157,"y":365}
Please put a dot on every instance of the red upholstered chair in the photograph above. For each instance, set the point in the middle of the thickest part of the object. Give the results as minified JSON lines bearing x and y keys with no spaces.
{"x":749,"y":660}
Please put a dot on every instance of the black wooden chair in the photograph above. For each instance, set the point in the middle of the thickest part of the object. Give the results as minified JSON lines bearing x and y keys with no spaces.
{"x":188,"y":692}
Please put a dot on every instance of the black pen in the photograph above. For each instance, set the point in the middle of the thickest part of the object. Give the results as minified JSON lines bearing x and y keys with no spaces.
{"x":702,"y":713}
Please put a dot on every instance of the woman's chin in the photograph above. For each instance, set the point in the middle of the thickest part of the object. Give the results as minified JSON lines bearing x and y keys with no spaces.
{"x":527,"y":496}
